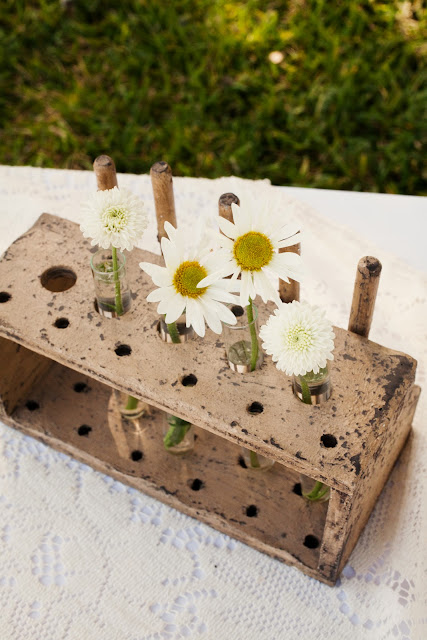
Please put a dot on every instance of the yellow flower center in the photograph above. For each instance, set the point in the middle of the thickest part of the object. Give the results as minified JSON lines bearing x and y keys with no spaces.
{"x":187,"y":277}
{"x":115,"y":218}
{"x":298,"y":338}
{"x":253,"y":251}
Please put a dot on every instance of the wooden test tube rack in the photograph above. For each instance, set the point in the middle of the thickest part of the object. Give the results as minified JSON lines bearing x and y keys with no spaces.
{"x":60,"y":359}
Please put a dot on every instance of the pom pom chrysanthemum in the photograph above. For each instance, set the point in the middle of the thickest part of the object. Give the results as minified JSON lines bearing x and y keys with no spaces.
{"x":299,"y":338}
{"x":114,"y":218}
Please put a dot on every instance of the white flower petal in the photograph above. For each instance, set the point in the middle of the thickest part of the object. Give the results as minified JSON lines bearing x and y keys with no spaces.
{"x":159,"y":275}
{"x":220,"y":294}
{"x":175,"y":308}
{"x":214,"y":277}
{"x":242,"y":219}
{"x":228,"y":228}
{"x":158,"y":295}
{"x":195,"y":317}
{"x":210,"y":313}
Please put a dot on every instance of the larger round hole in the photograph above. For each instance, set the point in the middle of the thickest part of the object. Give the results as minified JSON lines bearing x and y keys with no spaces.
{"x":311,"y":542}
{"x":237,"y":310}
{"x":123,"y":350}
{"x":58,"y":279}
{"x":61,"y":323}
{"x":189,"y":381}
{"x":328,"y":440}
{"x":252,"y":511}
{"x":5,"y":296}
{"x":255,"y":408}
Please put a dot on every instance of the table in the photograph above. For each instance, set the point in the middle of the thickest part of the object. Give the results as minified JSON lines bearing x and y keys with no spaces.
{"x":83,"y":556}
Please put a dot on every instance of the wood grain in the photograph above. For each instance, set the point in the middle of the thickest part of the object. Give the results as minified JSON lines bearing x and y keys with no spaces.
{"x":161,"y":180}
{"x":105,"y":171}
{"x":364,"y":295}
{"x":224,"y":205}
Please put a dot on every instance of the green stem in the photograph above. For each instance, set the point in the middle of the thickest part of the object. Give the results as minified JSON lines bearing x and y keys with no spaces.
{"x":174,"y":333}
{"x":317,"y":493}
{"x":254,"y":338}
{"x":118,"y":295}
{"x":254,"y":460}
{"x":131,"y":404}
{"x":176,"y":432}
{"x":305,"y":390}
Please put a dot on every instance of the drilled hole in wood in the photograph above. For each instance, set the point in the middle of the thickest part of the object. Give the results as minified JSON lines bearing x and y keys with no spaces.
{"x":136,"y":455}
{"x":255,"y":408}
{"x":311,"y":542}
{"x":237,"y":310}
{"x":58,"y":279}
{"x":123,"y":350}
{"x":32,"y":405}
{"x":5,"y":296}
{"x":84,"y":430}
{"x":242,"y":462}
{"x":197,"y":484}
{"x":252,"y":511}
{"x":80,"y":387}
{"x":189,"y":381}
{"x":297,"y":489}
{"x":328,"y":440}
{"x":61,"y":323}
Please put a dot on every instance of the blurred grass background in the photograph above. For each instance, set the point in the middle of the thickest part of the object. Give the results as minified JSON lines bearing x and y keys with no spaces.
{"x":192,"y":82}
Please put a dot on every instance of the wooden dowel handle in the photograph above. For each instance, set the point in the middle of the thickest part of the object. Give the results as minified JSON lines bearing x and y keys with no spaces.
{"x":364,"y":294}
{"x":105,"y":171}
{"x":224,"y":205}
{"x":291,"y":291}
{"x":161,"y":181}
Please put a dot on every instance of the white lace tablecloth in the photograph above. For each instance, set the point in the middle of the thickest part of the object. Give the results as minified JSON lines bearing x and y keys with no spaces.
{"x":83,"y":557}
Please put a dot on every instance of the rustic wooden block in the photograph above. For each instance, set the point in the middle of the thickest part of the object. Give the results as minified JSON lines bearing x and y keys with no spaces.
{"x":350,"y":443}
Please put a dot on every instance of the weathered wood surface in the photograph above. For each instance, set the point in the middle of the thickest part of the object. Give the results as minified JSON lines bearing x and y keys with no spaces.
{"x":132,"y":452}
{"x":364,"y":295}
{"x":369,"y":381}
{"x":164,"y":201}
{"x":350,"y":442}
{"x":20,"y":369}
{"x":105,"y":171}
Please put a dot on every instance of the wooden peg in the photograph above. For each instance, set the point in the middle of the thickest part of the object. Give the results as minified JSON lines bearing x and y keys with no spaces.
{"x":161,"y":181}
{"x":290,"y":291}
{"x":224,"y":205}
{"x":105,"y":171}
{"x":364,"y":294}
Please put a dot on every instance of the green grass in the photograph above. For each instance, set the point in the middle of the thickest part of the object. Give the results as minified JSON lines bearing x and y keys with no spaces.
{"x":190,"y":82}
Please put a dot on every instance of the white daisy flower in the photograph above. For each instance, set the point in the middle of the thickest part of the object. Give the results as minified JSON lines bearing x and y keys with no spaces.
{"x":177,"y":281}
{"x":250,"y":248}
{"x":299,"y":338}
{"x":114,"y":218}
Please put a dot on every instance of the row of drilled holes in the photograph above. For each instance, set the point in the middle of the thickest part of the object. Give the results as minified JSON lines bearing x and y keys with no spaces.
{"x":251,"y":511}
{"x":190,"y":380}
{"x":327,"y":439}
